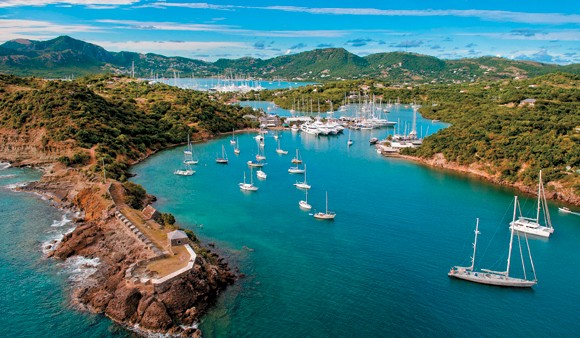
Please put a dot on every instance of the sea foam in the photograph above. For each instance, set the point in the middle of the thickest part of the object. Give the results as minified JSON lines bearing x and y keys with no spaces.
{"x":4,"y":165}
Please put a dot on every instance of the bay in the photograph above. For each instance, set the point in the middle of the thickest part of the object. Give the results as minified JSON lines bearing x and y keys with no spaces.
{"x":381,"y":267}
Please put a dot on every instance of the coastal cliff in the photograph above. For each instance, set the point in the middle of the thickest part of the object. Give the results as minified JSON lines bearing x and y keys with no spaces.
{"x":174,"y":307}
{"x":553,"y":191}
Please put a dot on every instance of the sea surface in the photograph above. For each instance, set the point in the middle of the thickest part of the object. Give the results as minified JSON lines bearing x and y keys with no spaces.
{"x":380,"y":268}
{"x":34,"y":292}
{"x":204,"y":84}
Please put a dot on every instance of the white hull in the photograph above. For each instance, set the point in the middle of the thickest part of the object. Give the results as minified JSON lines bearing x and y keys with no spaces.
{"x":260,"y":157}
{"x":237,"y":151}
{"x":491,"y":278}
{"x":281,"y":152}
{"x":296,"y":170}
{"x":302,"y":185}
{"x":304,"y":205}
{"x":221,"y":161}
{"x":325,"y":216}
{"x":248,"y":187}
{"x":187,"y":172}
{"x":537,"y":231}
{"x":255,"y":164}
{"x":191,"y":162}
{"x":261,"y":175}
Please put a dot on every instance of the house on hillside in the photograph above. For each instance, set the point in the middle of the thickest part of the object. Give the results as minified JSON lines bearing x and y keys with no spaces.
{"x":528,"y":102}
{"x":150,"y":213}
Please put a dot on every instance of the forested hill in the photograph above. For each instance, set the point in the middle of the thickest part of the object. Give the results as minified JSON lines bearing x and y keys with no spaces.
{"x":106,"y":119}
{"x":493,"y":128}
{"x":65,"y":57}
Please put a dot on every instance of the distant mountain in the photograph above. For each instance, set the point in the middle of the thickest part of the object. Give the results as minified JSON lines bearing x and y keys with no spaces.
{"x":65,"y":56}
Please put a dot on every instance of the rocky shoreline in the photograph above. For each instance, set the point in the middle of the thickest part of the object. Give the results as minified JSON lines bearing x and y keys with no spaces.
{"x":174,"y":308}
{"x":438,"y":161}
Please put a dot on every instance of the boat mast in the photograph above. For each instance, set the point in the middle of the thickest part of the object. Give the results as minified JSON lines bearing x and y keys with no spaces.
{"x":507,"y":271}
{"x":474,"y":245}
{"x":327,"y":202}
{"x":539,"y":197}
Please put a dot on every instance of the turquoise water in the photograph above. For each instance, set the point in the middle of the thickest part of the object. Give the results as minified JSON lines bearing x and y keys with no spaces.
{"x":205,"y":84}
{"x":380,"y":269}
{"x":34,"y":294}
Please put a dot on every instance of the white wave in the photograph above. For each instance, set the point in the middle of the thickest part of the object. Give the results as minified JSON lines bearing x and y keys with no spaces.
{"x":63,"y":221}
{"x":7,"y":176}
{"x":80,"y":268}
{"x":16,"y":185}
{"x":4,"y":165}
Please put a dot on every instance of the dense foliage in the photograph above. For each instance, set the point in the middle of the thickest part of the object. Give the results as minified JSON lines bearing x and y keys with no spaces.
{"x":490,"y":126}
{"x":120,"y":120}
{"x":66,"y":57}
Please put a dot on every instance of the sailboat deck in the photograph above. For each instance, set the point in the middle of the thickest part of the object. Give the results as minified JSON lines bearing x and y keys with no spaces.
{"x":490,"y":278}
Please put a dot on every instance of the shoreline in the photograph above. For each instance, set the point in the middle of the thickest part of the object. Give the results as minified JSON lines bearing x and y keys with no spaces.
{"x":438,"y":162}
{"x":98,"y":234}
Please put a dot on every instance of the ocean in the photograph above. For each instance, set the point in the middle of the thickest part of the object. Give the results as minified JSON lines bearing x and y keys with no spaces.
{"x":379,"y":269}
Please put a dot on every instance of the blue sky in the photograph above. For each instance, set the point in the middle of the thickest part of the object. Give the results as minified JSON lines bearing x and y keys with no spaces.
{"x":547,"y":31}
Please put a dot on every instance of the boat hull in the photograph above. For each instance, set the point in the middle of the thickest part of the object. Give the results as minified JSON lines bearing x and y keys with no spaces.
{"x":491,"y":279}
{"x":540,"y":231}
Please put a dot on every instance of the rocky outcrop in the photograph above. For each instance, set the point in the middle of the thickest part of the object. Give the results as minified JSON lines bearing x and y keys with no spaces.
{"x":172,"y":307}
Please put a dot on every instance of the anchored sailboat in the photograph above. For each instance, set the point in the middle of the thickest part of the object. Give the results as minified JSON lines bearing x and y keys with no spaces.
{"x":532,"y":226}
{"x":224,"y":158}
{"x":237,"y":148}
{"x":280,"y":151}
{"x":499,"y":278}
{"x":303,"y":184}
{"x":188,"y":154}
{"x":248,"y":186}
{"x":328,"y":215}
{"x":297,"y":159}
{"x":304,"y":203}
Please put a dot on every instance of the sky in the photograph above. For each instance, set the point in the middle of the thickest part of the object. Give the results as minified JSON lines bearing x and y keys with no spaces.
{"x":545,"y":31}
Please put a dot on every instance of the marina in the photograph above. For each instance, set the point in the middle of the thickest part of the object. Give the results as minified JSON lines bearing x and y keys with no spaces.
{"x":385,"y":231}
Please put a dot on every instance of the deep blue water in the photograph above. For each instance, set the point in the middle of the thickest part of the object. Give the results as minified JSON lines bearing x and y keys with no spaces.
{"x":380,"y":269}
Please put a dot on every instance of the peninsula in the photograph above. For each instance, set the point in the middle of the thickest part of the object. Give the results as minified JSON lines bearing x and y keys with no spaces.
{"x":152,"y":277}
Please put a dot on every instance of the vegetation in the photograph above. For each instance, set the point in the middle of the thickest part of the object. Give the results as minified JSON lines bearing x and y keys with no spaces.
{"x":118,"y":119}
{"x":490,"y":126}
{"x":134,"y":195}
{"x":65,"y":57}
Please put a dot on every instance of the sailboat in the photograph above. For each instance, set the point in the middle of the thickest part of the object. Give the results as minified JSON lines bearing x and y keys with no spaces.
{"x":296,"y":160}
{"x":349,"y":142}
{"x":296,"y":170}
{"x":532,"y":226}
{"x":499,"y":278}
{"x":303,"y":204}
{"x":184,"y":172}
{"x":233,"y":140}
{"x":328,"y":215}
{"x":260,"y":155}
{"x":224,"y":158}
{"x":302,"y":185}
{"x":237,"y":148}
{"x":188,"y":154}
{"x":261,"y":175}
{"x":280,"y":151}
{"x":248,"y":186}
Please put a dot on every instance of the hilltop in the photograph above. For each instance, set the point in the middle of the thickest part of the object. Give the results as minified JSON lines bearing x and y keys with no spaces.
{"x":65,"y":57}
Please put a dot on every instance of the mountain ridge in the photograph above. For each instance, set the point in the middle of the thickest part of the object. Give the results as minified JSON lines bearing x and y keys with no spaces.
{"x":64,"y":56}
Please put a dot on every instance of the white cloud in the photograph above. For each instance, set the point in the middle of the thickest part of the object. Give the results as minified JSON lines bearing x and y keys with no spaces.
{"x":564,"y":35}
{"x":169,"y":47}
{"x":40,"y":3}
{"x":175,"y":26}
{"x":38,"y":30}
{"x":490,"y":15}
